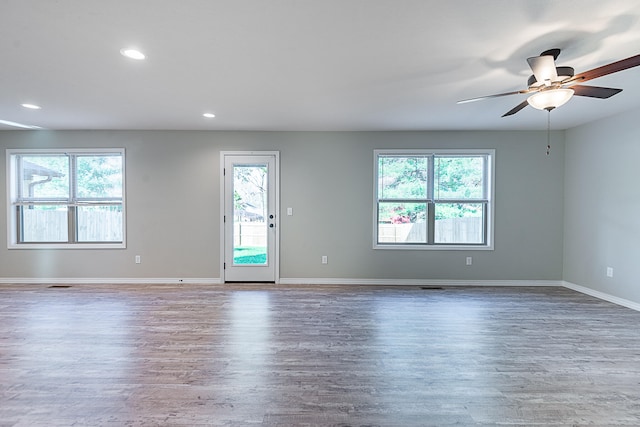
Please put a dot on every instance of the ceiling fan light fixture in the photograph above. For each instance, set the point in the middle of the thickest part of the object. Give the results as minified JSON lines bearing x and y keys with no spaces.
{"x":550,"y":99}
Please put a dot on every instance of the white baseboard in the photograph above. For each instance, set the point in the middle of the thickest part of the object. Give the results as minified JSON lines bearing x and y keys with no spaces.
{"x":282,"y":281}
{"x":415,"y":282}
{"x":108,"y":280}
{"x":603,"y":296}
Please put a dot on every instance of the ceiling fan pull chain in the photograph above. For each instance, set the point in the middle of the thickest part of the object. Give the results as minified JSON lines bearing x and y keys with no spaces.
{"x":548,"y":132}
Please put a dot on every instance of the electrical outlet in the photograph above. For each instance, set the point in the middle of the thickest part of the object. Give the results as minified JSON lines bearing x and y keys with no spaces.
{"x":325,"y":260}
{"x":469,"y":260}
{"x":609,"y":271}
{"x":138,"y":261}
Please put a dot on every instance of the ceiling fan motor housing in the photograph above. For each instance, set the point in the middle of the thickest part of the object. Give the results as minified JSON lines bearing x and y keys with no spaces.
{"x":564,"y":73}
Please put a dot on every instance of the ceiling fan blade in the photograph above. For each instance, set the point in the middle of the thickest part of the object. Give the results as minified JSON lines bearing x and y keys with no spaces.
{"x":614,"y":67}
{"x":516,"y":108}
{"x":480,"y":98}
{"x":595,"y":91}
{"x":544,"y":68}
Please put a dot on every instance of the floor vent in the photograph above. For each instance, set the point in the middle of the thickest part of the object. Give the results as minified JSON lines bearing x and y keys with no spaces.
{"x":60,"y":286}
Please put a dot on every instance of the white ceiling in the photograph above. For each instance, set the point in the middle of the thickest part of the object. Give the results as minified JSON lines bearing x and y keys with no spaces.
{"x":304,"y":64}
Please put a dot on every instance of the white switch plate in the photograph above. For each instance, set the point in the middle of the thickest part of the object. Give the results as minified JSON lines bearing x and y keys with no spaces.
{"x":325,"y":260}
{"x":609,"y":271}
{"x":469,"y":260}
{"x":289,"y":211}
{"x":138,"y":259}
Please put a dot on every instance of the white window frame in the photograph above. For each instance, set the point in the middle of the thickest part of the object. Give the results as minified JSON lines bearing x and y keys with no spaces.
{"x":490,"y":200}
{"x":12,"y":191}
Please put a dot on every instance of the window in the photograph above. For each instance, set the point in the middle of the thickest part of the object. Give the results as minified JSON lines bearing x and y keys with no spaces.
{"x":66,"y":199}
{"x":433,"y":199}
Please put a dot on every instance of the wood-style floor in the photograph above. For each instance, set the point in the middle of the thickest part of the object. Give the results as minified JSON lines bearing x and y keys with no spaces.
{"x":193,"y":355}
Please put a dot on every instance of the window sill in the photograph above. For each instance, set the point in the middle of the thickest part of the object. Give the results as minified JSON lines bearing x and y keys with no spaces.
{"x":419,"y":247}
{"x":80,"y":246}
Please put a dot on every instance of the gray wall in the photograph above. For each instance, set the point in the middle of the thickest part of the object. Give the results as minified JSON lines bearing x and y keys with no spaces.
{"x":602,"y":202}
{"x":326,"y":177}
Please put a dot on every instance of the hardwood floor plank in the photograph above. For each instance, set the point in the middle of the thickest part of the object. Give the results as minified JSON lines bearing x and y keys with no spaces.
{"x":195,"y":355}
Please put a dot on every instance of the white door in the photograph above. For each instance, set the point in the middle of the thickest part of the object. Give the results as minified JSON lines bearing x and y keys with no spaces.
{"x":250,"y":228}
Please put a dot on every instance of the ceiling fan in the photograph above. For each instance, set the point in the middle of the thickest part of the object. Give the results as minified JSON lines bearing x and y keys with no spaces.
{"x":551,"y":86}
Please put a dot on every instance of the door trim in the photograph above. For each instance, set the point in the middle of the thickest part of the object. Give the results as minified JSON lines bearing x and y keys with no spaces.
{"x":276,"y":184}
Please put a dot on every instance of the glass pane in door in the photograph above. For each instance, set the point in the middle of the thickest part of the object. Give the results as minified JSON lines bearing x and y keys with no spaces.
{"x":250,"y":220}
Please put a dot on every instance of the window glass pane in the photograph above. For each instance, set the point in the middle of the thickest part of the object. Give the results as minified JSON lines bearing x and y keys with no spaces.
{"x":99,"y":176}
{"x":459,"y":223}
{"x":402,"y":223}
{"x":99,"y":223}
{"x":44,"y":223}
{"x":459,"y":177}
{"x":250,"y":214}
{"x":44,"y":177}
{"x":402,"y":177}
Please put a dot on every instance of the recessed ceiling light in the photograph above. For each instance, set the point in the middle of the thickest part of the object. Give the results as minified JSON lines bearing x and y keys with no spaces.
{"x":209,"y":115}
{"x":31,"y":106}
{"x":132,"y":53}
